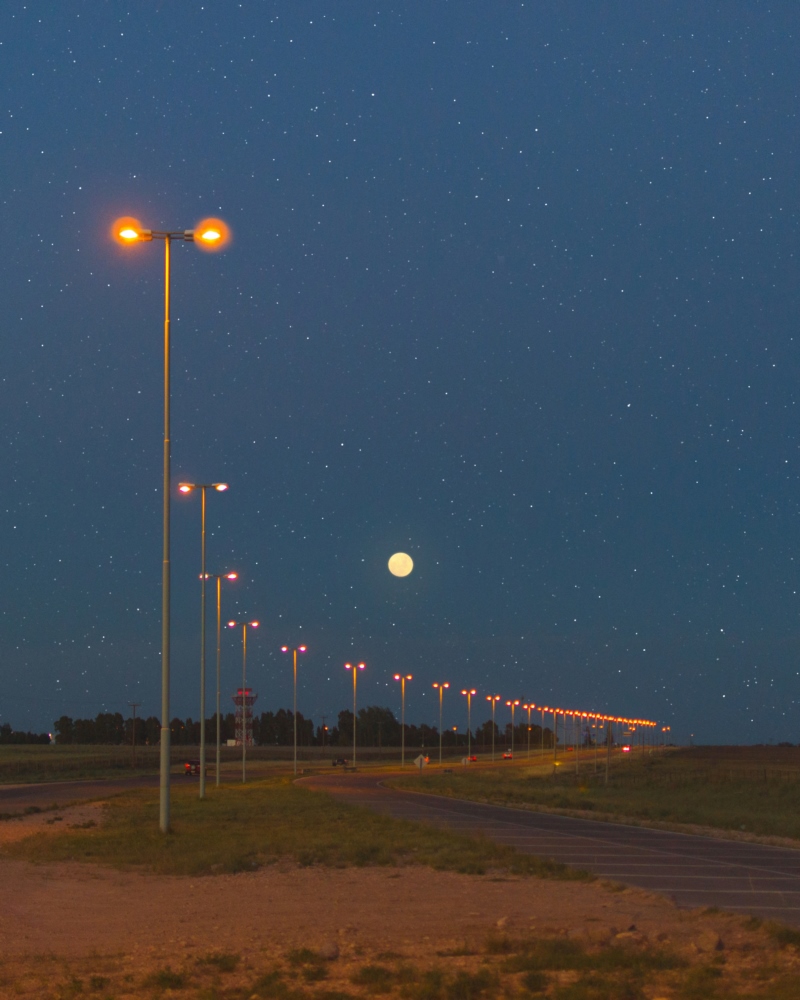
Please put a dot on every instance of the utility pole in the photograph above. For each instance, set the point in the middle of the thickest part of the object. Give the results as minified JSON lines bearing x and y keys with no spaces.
{"x":134,"y":705}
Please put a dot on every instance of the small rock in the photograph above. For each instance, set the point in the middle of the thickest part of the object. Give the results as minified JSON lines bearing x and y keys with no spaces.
{"x":501,"y":923}
{"x":328,"y":950}
{"x":708,"y":940}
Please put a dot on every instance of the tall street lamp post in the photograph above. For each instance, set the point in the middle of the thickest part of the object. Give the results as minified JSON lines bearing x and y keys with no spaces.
{"x":187,"y":488}
{"x":355,"y":668}
{"x":544,"y":709}
{"x":210,"y":234}
{"x":528,"y":709}
{"x":245,"y":627}
{"x":493,"y":698}
{"x":441,"y":687}
{"x":555,"y":738}
{"x":469,"y":696}
{"x":219,"y":577}
{"x":403,"y":678}
{"x":512,"y":705}
{"x":298,"y":649}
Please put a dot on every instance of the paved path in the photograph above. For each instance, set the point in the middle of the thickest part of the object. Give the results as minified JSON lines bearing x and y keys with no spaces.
{"x":691,"y":870}
{"x":15,"y":798}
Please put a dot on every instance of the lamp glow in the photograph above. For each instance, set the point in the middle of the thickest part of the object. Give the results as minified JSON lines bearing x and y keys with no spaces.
{"x":211,"y":234}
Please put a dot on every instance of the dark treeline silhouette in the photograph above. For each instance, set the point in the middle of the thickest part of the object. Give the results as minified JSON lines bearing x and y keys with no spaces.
{"x":13,"y":736}
{"x":375,"y":727}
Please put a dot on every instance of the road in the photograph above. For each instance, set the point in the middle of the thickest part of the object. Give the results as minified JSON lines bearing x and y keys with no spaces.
{"x":693,"y":871}
{"x":17,"y":798}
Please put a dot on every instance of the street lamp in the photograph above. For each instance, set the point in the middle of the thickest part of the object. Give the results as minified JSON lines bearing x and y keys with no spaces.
{"x":544,"y":709}
{"x":555,"y":737}
{"x":355,"y":669}
{"x":211,"y":234}
{"x":245,"y":626}
{"x":403,"y":678}
{"x":528,"y":709}
{"x":219,"y":577}
{"x":299,"y":649}
{"x":187,"y":488}
{"x":441,"y":688}
{"x":493,"y":698}
{"x":512,"y":705}
{"x":469,"y":695}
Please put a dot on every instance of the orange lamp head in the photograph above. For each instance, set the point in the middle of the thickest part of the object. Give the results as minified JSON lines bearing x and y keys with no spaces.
{"x":211,"y":234}
{"x":128,"y":230}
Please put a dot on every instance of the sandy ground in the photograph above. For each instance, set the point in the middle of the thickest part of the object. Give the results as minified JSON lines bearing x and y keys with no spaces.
{"x":59,"y":923}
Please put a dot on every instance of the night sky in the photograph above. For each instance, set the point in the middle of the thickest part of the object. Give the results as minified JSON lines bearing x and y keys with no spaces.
{"x":513,"y":288}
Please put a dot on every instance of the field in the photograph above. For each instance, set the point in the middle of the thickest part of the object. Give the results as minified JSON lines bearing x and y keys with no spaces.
{"x":274,"y":891}
{"x":750,"y":790}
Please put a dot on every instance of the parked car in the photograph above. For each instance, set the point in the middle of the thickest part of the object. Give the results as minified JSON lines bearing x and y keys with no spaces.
{"x":507,"y":755}
{"x":191,"y":767}
{"x":626,"y":749}
{"x":472,"y":758}
{"x":340,"y":762}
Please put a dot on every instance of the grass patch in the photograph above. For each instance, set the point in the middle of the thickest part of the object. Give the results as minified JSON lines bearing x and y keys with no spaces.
{"x":239,"y":828}
{"x":680,"y":787}
{"x":221,"y":961}
{"x":166,"y":979}
{"x":376,"y":978}
{"x":782,"y":934}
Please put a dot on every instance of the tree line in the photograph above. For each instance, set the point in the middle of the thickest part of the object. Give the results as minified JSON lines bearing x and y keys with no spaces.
{"x":375,"y":727}
{"x":14,"y":736}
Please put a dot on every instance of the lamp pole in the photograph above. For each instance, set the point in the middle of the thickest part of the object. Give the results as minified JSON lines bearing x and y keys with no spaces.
{"x":219,"y":577}
{"x":493,"y":698}
{"x":528,"y":709}
{"x":187,"y":488}
{"x":512,"y":705}
{"x":544,"y":709}
{"x":298,"y":649}
{"x":403,"y":678}
{"x":469,"y":695}
{"x":441,"y":687}
{"x":555,"y":737}
{"x":212,"y":235}
{"x":245,"y":626}
{"x":355,"y":669}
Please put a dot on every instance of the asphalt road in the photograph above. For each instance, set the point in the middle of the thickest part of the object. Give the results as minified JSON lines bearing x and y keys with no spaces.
{"x":693,"y":871}
{"x":16,"y":798}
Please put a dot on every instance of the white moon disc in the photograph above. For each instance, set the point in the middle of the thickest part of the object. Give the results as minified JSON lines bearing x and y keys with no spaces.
{"x":400,"y":564}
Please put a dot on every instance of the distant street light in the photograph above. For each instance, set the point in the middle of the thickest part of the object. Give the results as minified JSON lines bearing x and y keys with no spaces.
{"x":211,"y":234}
{"x":469,"y":695}
{"x":441,"y":688}
{"x":403,"y":678}
{"x":355,"y":669}
{"x":245,"y":626}
{"x":187,"y":488}
{"x":512,"y":705}
{"x":298,"y":649}
{"x":493,"y":698}
{"x":219,"y":577}
{"x":528,"y":709}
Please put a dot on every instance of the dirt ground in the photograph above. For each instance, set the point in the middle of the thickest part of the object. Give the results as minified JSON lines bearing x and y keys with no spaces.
{"x":97,"y":928}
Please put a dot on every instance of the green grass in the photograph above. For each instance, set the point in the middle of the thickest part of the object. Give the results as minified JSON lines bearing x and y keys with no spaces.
{"x":672,"y":788}
{"x":240,"y":828}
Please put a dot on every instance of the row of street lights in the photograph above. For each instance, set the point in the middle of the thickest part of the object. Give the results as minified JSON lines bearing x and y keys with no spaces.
{"x":213,"y":234}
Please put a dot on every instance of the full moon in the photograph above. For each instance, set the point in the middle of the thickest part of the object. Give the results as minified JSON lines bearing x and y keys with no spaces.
{"x":400,"y":564}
